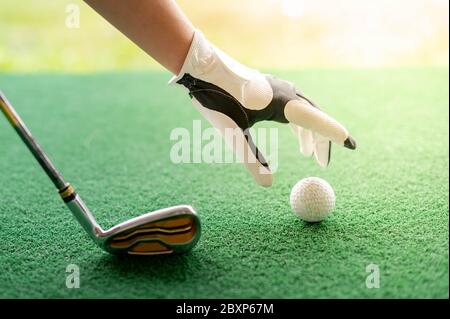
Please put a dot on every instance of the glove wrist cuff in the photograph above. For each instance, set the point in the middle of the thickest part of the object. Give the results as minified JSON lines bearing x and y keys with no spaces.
{"x":206,"y":62}
{"x":198,"y":54}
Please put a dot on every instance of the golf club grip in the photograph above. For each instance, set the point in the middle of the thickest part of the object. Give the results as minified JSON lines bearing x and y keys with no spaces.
{"x":21,"y":129}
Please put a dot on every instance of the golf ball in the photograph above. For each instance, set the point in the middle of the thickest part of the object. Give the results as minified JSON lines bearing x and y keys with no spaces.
{"x":313,"y":199}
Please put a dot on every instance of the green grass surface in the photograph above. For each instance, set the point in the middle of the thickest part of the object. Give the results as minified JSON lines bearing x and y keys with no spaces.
{"x":109,"y":135}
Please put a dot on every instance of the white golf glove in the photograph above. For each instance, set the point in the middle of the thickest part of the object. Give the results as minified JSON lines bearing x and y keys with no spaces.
{"x":232,"y":96}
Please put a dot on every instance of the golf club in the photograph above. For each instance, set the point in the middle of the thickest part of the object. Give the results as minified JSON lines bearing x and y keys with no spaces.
{"x":169,"y":230}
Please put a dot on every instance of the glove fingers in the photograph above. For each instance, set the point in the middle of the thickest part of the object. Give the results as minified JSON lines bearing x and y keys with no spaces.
{"x":241,"y":144}
{"x":322,"y":150}
{"x":302,"y":113}
{"x":307,"y":142}
{"x":305,"y":139}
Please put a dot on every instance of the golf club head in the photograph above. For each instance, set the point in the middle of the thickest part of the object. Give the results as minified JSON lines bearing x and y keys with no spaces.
{"x":169,"y":230}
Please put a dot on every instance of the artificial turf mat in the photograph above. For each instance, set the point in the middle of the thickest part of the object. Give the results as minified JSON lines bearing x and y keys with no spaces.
{"x":109,"y":136}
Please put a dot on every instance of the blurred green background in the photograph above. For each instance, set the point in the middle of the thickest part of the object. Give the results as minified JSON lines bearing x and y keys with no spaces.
{"x":261,"y":33}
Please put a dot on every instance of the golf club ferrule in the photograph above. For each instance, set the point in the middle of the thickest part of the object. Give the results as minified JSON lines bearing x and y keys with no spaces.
{"x":67,"y":193}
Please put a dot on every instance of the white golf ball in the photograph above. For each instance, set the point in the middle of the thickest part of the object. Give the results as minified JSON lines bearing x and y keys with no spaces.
{"x":313,"y":199}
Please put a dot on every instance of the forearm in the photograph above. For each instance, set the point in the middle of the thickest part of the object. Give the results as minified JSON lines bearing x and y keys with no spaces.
{"x":158,"y":27}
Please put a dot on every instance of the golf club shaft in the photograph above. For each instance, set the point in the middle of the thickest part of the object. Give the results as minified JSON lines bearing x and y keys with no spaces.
{"x":67,"y":193}
{"x":31,"y":143}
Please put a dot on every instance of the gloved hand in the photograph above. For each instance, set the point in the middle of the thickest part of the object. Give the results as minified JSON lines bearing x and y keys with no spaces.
{"x":232,"y":96}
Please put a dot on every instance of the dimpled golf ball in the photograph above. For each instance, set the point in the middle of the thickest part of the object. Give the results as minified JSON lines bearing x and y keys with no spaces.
{"x":313,"y":199}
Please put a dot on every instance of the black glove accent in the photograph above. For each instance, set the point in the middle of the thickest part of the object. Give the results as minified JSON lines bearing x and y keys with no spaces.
{"x":217,"y":99}
{"x":214,"y":98}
